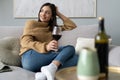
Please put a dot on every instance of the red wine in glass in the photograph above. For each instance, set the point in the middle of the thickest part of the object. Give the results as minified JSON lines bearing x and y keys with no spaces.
{"x":56,"y":37}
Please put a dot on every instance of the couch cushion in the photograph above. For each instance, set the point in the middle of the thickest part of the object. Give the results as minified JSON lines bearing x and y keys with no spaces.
{"x":114,"y":56}
{"x":15,"y":31}
{"x":18,"y":73}
{"x":86,"y":31}
{"x":9,"y":51}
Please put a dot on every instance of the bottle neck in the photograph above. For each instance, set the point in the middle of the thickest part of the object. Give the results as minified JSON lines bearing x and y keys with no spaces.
{"x":101,"y":26}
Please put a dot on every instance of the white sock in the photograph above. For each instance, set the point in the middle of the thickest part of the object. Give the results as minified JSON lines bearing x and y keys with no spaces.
{"x":49,"y":71}
{"x":40,"y":76}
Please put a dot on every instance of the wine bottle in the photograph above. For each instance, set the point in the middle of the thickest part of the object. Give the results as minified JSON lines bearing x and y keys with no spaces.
{"x":102,"y":46}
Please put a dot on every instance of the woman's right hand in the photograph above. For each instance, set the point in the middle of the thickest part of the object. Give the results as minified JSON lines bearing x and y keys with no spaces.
{"x":52,"y":45}
{"x":57,"y":11}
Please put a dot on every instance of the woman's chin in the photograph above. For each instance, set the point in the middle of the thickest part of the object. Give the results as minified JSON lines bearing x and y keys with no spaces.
{"x":44,"y":20}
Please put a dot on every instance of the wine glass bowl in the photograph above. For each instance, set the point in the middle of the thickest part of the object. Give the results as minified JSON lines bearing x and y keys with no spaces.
{"x":56,"y":34}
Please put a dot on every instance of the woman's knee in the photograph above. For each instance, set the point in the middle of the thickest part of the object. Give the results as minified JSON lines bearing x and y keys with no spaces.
{"x":71,"y":48}
{"x":31,"y":65}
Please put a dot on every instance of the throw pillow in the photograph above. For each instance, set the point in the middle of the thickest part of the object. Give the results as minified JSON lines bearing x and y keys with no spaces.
{"x":84,"y":42}
{"x":9,"y":51}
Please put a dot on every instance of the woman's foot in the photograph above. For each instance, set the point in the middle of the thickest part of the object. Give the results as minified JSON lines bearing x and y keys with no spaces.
{"x":40,"y":76}
{"x":49,"y":71}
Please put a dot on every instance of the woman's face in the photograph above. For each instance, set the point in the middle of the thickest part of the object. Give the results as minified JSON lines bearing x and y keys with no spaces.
{"x":45,"y":14}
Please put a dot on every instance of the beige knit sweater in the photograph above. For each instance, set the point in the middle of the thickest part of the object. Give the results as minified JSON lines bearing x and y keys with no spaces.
{"x":36,"y":35}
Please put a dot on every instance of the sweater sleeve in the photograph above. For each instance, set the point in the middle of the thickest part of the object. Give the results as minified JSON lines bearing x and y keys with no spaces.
{"x":28,"y":40}
{"x":68,"y":25}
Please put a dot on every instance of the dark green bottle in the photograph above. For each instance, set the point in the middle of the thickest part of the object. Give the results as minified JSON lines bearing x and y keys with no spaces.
{"x":102,"y":47}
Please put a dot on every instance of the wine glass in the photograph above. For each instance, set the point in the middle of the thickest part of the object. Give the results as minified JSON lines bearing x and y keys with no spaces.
{"x":56,"y":34}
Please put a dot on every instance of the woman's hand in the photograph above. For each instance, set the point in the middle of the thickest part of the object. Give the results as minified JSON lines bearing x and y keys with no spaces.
{"x":52,"y":45}
{"x":60,"y":15}
{"x":57,"y":11}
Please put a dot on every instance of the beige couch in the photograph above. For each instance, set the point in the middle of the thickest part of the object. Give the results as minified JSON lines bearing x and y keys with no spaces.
{"x":9,"y":48}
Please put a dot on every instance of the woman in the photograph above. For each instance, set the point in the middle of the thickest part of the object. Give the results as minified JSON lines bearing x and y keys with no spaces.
{"x":37,"y":44}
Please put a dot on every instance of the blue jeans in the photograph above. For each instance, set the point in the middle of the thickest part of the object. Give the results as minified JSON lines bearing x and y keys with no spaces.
{"x":33,"y":61}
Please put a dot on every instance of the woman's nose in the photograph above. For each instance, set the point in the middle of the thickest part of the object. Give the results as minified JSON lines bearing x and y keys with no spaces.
{"x":43,"y":13}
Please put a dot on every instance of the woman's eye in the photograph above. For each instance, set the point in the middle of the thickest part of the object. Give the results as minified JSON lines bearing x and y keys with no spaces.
{"x":47,"y":12}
